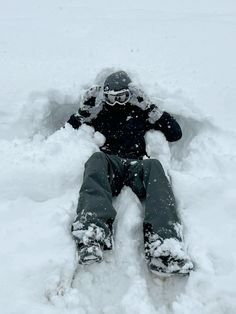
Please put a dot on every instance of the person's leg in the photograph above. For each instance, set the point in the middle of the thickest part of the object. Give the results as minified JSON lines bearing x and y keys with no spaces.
{"x":95,"y":213}
{"x":160,"y":210}
{"x":162,"y":228}
{"x":148,"y":180}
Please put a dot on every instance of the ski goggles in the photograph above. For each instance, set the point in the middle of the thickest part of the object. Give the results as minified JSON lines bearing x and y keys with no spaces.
{"x":120,"y":97}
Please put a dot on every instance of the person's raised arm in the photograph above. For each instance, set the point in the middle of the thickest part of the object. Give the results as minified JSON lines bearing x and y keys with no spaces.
{"x":84,"y":114}
{"x":164,"y":122}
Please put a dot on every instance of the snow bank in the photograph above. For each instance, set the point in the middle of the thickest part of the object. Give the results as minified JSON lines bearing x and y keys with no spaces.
{"x":40,"y":180}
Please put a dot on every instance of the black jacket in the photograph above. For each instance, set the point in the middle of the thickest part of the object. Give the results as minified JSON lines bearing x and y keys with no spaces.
{"x":124,"y":126}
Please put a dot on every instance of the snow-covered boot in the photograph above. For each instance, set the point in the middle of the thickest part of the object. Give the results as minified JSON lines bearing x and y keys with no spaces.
{"x":168,"y":257}
{"x":91,"y":241}
{"x":170,"y":265}
{"x":90,"y":253}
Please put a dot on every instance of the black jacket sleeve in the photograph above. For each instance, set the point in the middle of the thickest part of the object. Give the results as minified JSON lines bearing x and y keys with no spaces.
{"x":86,"y":109}
{"x":75,"y":121}
{"x":169,"y":127}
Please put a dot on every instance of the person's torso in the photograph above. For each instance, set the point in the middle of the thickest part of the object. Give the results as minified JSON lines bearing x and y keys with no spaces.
{"x":124,"y":127}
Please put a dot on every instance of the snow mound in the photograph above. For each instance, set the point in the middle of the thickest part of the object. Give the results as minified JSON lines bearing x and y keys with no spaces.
{"x":40,"y":178}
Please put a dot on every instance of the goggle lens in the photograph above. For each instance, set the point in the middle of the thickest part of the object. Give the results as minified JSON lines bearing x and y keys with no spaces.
{"x":120,"y":97}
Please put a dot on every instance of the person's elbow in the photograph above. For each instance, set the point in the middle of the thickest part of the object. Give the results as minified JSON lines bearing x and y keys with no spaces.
{"x":75,"y":121}
{"x":175,"y":135}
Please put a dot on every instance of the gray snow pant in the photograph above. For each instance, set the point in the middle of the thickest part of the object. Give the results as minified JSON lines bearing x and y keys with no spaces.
{"x":104,"y":177}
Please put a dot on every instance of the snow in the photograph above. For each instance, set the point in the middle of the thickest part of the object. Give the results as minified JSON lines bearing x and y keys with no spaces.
{"x":183,"y":55}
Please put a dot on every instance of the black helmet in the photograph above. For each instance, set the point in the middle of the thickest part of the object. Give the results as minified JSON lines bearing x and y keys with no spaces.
{"x":117,"y":81}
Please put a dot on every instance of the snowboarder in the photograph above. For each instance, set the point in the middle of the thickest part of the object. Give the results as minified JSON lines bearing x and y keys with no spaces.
{"x":123,"y":114}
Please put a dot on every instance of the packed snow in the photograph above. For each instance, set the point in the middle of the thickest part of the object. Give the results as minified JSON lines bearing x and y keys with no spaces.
{"x":183,"y":56}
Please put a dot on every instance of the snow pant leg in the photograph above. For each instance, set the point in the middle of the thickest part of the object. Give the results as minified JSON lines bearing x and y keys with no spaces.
{"x":148,"y":180}
{"x":161,"y":216}
{"x":103,"y":178}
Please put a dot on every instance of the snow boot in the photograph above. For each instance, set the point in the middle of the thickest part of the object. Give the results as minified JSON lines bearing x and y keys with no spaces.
{"x":91,"y":240}
{"x":168,"y":257}
{"x":90,"y":253}
{"x":170,"y":265}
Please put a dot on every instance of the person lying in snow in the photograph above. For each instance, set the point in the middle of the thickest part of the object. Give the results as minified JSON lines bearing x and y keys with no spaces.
{"x":121,"y":112}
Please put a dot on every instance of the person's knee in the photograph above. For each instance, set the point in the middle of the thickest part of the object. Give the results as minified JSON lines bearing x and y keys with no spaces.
{"x":150,"y":163}
{"x":96,"y":158}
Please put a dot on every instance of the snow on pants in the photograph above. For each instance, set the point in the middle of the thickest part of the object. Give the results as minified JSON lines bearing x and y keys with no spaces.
{"x":104,"y":177}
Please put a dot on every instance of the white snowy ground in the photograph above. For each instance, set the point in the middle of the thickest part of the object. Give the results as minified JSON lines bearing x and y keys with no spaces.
{"x":183,"y":53}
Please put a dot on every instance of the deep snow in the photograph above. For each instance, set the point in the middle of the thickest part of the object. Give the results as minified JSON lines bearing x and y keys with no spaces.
{"x":183,"y":55}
